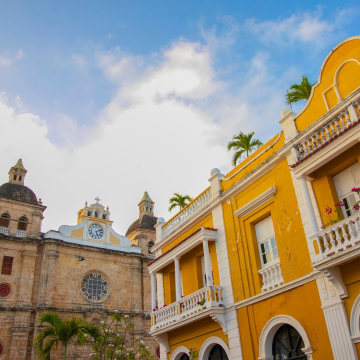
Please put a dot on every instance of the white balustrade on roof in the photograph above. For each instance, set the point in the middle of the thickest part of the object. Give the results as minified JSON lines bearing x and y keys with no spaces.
{"x":188,"y":212}
{"x":328,"y":131}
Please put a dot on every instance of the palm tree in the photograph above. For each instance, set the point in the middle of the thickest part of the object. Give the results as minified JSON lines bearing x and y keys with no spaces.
{"x":63,"y":331}
{"x":243,"y":143}
{"x":300,"y":91}
{"x":179,"y":200}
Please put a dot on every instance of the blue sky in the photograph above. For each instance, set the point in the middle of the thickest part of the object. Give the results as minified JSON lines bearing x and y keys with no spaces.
{"x":156,"y":87}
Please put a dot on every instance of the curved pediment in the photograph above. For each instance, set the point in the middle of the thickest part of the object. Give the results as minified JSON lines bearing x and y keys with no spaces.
{"x":339,"y":77}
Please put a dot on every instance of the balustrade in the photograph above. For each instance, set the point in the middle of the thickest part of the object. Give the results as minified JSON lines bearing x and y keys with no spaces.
{"x":4,"y":230}
{"x":194,"y":207}
{"x":338,"y":237}
{"x":21,"y":233}
{"x":271,"y":276}
{"x":330,"y":130}
{"x":205,"y":298}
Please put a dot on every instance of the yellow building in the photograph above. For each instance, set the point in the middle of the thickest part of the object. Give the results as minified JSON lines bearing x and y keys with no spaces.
{"x":258,"y":266}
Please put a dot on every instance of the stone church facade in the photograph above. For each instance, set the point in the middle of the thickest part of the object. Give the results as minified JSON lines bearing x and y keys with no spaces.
{"x":86,"y":270}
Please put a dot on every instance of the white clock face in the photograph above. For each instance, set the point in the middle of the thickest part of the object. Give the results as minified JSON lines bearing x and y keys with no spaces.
{"x":95,"y":231}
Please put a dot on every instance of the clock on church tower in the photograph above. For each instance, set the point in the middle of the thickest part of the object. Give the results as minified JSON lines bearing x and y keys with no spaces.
{"x":94,"y":228}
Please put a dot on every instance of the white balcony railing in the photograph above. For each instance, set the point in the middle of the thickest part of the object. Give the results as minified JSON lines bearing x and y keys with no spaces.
{"x":330,"y":130}
{"x":271,"y":276}
{"x":188,"y":212}
{"x":4,"y":230}
{"x":205,"y":298}
{"x":338,"y":237}
{"x":21,"y":233}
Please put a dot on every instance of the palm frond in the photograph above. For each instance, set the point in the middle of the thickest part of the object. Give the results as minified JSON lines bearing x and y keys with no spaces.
{"x":243,"y":144}
{"x":237,"y":155}
{"x":300,"y":91}
{"x":50,"y":318}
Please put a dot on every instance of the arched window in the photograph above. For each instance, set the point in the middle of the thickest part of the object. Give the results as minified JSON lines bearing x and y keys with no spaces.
{"x":23,"y":222}
{"x":5,"y":220}
{"x":184,"y":357}
{"x":217,"y":353}
{"x":150,"y":245}
{"x":96,"y":214}
{"x":287,"y":344}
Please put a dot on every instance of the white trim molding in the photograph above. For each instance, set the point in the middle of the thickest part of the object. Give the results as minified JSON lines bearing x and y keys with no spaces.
{"x":176,"y":355}
{"x":209,"y":344}
{"x":355,"y":321}
{"x":255,"y":203}
{"x":269,"y":331}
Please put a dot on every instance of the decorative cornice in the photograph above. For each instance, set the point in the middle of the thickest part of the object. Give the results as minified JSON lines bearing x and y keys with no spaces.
{"x":281,"y":289}
{"x":255,"y":203}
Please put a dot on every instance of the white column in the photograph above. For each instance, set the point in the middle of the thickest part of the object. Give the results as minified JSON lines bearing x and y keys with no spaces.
{"x":177,"y":279}
{"x":153,"y":290}
{"x":207,"y":260}
{"x":309,"y":207}
{"x":339,"y":334}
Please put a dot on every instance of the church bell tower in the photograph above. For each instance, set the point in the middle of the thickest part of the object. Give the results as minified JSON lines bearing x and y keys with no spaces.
{"x":17,"y":173}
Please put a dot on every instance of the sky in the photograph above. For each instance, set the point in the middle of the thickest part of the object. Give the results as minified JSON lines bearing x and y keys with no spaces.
{"x":115,"y":98}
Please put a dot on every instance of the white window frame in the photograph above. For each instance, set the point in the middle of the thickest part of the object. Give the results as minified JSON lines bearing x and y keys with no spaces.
{"x":345,"y":196}
{"x":274,"y":255}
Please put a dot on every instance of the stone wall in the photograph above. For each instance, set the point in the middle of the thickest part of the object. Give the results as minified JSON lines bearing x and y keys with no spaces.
{"x":47,"y":274}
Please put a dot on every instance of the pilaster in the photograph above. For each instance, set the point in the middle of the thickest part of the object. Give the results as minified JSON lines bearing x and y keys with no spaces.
{"x":29,"y":256}
{"x":47,"y":281}
{"x":232,"y":325}
{"x":19,"y":342}
{"x":136,"y":294}
{"x":335,"y":316}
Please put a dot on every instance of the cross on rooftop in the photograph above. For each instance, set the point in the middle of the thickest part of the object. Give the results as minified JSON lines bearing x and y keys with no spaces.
{"x":97,"y":199}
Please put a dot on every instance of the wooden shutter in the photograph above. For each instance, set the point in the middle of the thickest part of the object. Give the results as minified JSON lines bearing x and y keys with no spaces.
{"x":7,"y":265}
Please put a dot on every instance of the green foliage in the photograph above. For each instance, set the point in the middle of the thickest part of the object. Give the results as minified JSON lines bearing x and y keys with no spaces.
{"x":243,"y":144}
{"x":299,"y":92}
{"x":179,"y":200}
{"x":61,"y":331}
{"x":192,"y":354}
{"x":115,"y":341}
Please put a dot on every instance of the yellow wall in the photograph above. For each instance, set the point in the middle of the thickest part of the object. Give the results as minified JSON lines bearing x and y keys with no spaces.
{"x":250,"y":164}
{"x":241,"y":238}
{"x":114,"y":239}
{"x":348,"y":80}
{"x":78,"y":233}
{"x":194,"y":335}
{"x":190,"y":265}
{"x":302,"y":303}
{"x":351,"y":277}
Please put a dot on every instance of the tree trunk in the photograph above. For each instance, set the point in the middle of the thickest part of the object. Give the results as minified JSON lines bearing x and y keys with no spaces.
{"x":65,"y":350}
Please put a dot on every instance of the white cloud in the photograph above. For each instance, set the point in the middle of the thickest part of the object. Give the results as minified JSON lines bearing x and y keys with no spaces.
{"x":303,"y":27}
{"x":157,"y":143}
{"x":164,"y":129}
{"x":7,"y":60}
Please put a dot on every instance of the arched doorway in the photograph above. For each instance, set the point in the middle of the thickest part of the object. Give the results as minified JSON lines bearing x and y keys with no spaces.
{"x":217,"y":353}
{"x":287,"y":344}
